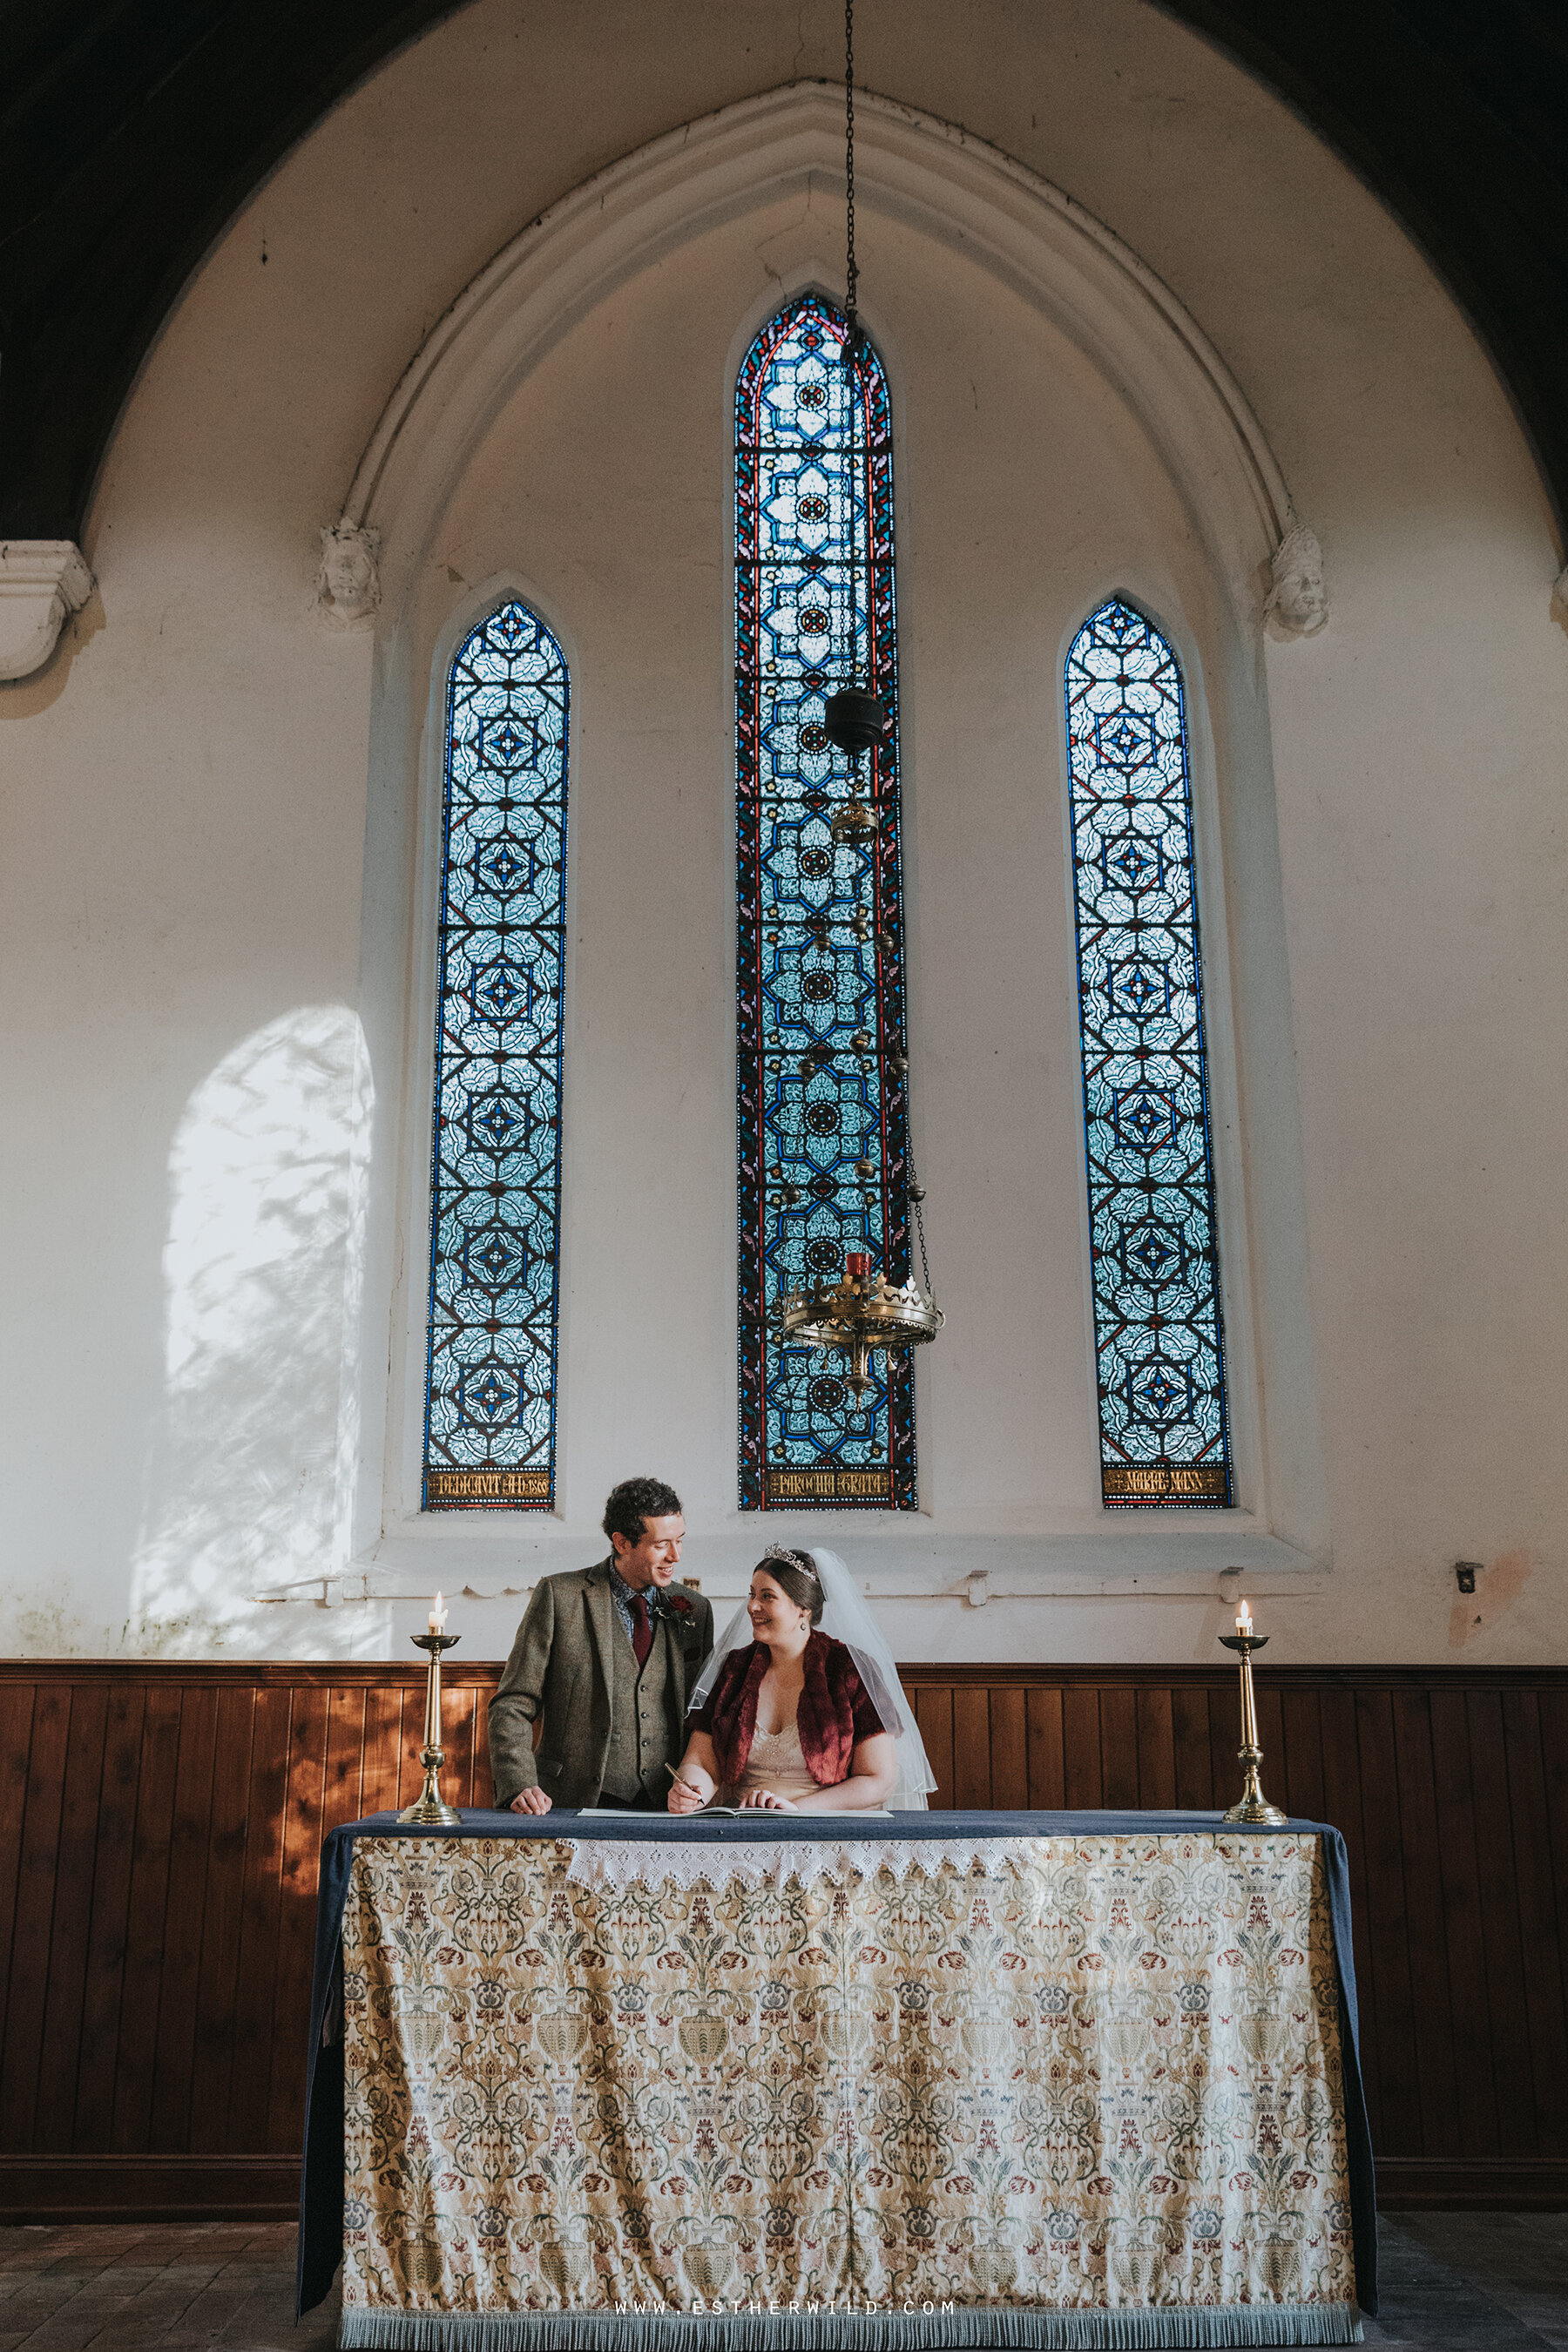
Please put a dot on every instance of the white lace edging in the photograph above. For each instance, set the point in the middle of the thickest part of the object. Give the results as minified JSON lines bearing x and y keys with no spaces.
{"x":610,"y":1862}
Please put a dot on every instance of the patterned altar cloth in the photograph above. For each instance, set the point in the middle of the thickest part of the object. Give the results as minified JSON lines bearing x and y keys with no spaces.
{"x":1082,"y":2088}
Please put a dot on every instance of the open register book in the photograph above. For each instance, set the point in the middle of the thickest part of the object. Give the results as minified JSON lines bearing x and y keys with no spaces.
{"x":715,"y":1813}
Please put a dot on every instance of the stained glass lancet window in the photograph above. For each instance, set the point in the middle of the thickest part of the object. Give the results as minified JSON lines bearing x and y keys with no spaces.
{"x":495,"y":1206}
{"x":821,"y":985}
{"x":1165,"y":1434}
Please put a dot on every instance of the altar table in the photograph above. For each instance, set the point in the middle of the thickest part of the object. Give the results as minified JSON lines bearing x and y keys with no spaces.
{"x":591,"y":2081}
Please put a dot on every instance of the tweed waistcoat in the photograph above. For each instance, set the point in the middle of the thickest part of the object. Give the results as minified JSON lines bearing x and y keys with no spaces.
{"x":645,"y":1725}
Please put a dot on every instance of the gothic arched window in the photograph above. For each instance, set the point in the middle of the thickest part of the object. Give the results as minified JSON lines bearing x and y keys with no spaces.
{"x":1165,"y":1434}
{"x":495,"y":1187}
{"x":821,"y":998}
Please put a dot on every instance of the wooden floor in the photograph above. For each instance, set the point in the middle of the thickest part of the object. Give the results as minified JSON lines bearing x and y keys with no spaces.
{"x":126,"y":2289}
{"x":1452,"y":2283}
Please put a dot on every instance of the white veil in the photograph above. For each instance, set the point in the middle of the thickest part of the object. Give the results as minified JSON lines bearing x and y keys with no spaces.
{"x":845,"y":1618}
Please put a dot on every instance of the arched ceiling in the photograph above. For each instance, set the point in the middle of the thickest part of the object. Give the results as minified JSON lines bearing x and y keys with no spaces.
{"x":132,"y":130}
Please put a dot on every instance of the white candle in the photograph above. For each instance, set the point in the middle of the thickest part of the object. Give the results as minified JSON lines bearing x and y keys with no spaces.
{"x":1244,"y":1619}
{"x":439,"y":1615}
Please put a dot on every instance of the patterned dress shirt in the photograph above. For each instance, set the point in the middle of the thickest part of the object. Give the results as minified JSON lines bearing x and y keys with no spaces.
{"x":621,"y":1594}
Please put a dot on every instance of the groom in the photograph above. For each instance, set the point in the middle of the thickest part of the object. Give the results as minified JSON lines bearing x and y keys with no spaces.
{"x":604,"y":1661}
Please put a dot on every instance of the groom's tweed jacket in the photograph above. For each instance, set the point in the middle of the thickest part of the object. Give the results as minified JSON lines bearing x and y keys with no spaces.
{"x":607,"y":1729}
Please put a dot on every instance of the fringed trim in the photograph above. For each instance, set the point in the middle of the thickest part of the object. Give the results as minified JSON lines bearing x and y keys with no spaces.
{"x":1037,"y":2331}
{"x":609,"y":1862}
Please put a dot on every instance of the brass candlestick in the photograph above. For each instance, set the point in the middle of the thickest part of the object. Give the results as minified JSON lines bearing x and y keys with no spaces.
{"x":430,"y":1810}
{"x":1254,"y":1808}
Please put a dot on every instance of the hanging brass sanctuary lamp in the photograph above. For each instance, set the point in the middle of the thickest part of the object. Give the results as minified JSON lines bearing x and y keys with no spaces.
{"x":859,"y":1313}
{"x":864,"y":1312}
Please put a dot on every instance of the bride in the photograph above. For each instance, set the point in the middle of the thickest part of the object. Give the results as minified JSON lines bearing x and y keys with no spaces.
{"x":799,"y":1709}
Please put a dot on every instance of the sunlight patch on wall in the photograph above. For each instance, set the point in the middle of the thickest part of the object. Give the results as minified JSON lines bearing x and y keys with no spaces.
{"x":250,"y":1475}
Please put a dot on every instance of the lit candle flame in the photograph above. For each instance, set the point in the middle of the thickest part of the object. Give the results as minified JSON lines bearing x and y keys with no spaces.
{"x":437,"y":1615}
{"x":1244,"y":1619}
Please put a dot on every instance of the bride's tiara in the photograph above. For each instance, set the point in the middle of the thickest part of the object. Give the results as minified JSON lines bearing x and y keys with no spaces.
{"x":800,"y":1562}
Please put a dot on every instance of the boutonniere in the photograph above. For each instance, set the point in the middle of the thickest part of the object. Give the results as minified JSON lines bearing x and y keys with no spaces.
{"x":669,"y":1604}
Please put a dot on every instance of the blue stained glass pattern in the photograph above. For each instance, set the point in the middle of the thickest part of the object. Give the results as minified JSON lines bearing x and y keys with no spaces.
{"x":495,"y":1215}
{"x":814,"y":589}
{"x":1159,"y":1329}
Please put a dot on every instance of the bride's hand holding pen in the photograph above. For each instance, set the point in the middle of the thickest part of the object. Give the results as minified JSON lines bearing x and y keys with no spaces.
{"x":685,"y":1797}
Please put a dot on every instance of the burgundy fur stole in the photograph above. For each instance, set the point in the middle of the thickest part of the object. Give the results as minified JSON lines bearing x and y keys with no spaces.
{"x":834,"y":1714}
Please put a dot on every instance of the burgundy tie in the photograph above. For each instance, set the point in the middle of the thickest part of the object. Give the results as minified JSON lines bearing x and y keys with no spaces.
{"x":642,"y":1632}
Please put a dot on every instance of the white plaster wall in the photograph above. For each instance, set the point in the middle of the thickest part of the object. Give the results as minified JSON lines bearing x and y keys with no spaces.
{"x":211,"y":878}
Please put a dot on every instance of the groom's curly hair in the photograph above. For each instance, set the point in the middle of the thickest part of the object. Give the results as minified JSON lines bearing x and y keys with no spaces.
{"x":635,"y":1500}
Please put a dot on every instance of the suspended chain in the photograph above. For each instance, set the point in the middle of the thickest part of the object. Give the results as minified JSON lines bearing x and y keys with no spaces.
{"x":851,"y":274}
{"x":851,"y":352}
{"x":920,"y":1230}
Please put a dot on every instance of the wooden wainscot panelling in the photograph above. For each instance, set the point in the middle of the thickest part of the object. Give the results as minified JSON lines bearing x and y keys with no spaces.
{"x":161,"y":1825}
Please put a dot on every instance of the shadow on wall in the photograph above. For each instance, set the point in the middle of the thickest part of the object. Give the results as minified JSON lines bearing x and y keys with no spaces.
{"x":250,"y":1477}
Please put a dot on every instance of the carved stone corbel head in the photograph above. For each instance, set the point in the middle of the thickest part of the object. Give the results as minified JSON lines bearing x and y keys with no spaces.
{"x":1297,"y":604}
{"x":348,"y":583}
{"x":42,"y":582}
{"x":1559,"y":607}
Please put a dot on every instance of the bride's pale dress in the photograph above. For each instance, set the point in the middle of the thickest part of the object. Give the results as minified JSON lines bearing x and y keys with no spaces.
{"x":776,"y":1762}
